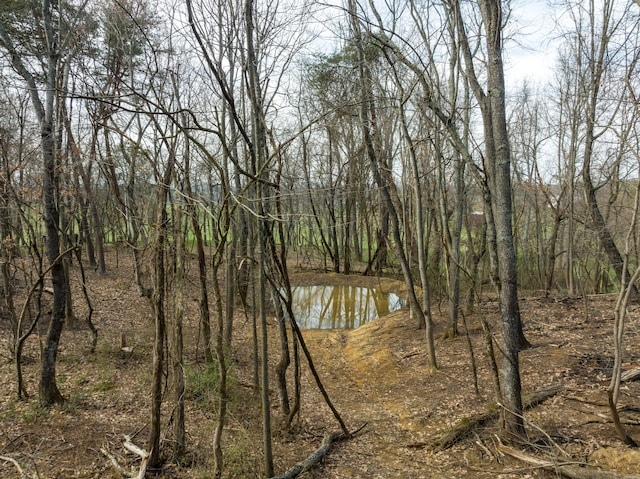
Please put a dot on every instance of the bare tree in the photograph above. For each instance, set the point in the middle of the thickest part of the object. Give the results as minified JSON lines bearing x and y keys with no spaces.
{"x":56,"y":29}
{"x":600,"y":64}
{"x":382,"y":175}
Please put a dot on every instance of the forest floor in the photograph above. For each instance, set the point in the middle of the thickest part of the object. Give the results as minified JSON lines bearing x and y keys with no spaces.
{"x":376,"y":376}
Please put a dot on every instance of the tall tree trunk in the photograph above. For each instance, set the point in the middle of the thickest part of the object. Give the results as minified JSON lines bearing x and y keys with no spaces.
{"x":282,"y":294}
{"x":49,"y":392}
{"x":158,"y":303}
{"x":45,"y":113}
{"x":259,"y":160}
{"x":513,"y":425}
{"x":368,"y":119}
{"x":222,"y":397}
{"x":179,"y":437}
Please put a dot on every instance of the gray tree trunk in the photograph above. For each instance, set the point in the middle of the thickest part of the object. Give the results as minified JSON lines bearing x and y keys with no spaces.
{"x":513,"y":426}
{"x":45,"y":114}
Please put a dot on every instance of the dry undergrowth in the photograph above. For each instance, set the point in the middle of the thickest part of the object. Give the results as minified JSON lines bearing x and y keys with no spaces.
{"x":376,"y":374}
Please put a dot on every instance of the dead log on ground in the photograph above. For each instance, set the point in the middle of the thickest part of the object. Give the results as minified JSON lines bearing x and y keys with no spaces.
{"x":630,"y":375}
{"x":313,"y":459}
{"x":469,"y":424}
{"x":317,"y":455}
{"x":115,"y":464}
{"x":572,"y":471}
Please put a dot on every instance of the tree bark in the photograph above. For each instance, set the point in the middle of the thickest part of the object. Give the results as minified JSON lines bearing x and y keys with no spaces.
{"x":179,"y":436}
{"x":513,"y":426}
{"x":45,"y":114}
{"x":158,"y":302}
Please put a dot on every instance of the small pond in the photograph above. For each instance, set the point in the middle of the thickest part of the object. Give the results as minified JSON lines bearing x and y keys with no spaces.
{"x":347,"y":307}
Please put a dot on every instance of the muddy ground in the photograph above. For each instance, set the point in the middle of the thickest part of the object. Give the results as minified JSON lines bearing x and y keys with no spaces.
{"x":376,"y":376}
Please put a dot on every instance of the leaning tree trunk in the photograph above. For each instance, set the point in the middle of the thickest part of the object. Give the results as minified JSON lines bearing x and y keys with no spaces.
{"x":597,"y":65}
{"x":598,"y":223}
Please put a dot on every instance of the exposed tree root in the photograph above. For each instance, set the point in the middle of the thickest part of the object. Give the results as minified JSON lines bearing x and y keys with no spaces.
{"x":572,"y":471}
{"x":467,"y":425}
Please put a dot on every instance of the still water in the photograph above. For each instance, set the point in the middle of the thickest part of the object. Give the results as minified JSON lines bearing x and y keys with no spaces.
{"x":347,"y":307}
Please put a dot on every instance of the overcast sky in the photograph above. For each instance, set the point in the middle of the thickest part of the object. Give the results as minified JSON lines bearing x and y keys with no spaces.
{"x":530,"y":54}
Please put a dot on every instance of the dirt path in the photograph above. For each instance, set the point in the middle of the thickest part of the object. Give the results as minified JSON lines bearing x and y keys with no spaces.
{"x":378,"y":375}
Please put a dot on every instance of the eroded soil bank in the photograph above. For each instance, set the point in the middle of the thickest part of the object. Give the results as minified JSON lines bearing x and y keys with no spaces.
{"x":378,"y":375}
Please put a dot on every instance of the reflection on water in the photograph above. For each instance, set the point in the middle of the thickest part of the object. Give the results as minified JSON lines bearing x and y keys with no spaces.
{"x":347,"y":307}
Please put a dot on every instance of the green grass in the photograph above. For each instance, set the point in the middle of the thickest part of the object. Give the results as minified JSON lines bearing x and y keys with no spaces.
{"x":33,"y":412}
{"x":201,"y":384}
{"x":105,"y":385}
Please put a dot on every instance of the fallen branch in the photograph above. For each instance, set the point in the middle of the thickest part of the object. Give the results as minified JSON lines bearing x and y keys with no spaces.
{"x":541,"y":395}
{"x":114,"y":462}
{"x":469,"y":424}
{"x":464,"y":427}
{"x":144,"y":455}
{"x":23,"y":475}
{"x":630,"y":375}
{"x":318,"y":454}
{"x":313,"y":459}
{"x":569,"y":470}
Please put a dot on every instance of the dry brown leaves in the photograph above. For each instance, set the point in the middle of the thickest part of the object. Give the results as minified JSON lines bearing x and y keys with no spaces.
{"x":376,"y":374}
